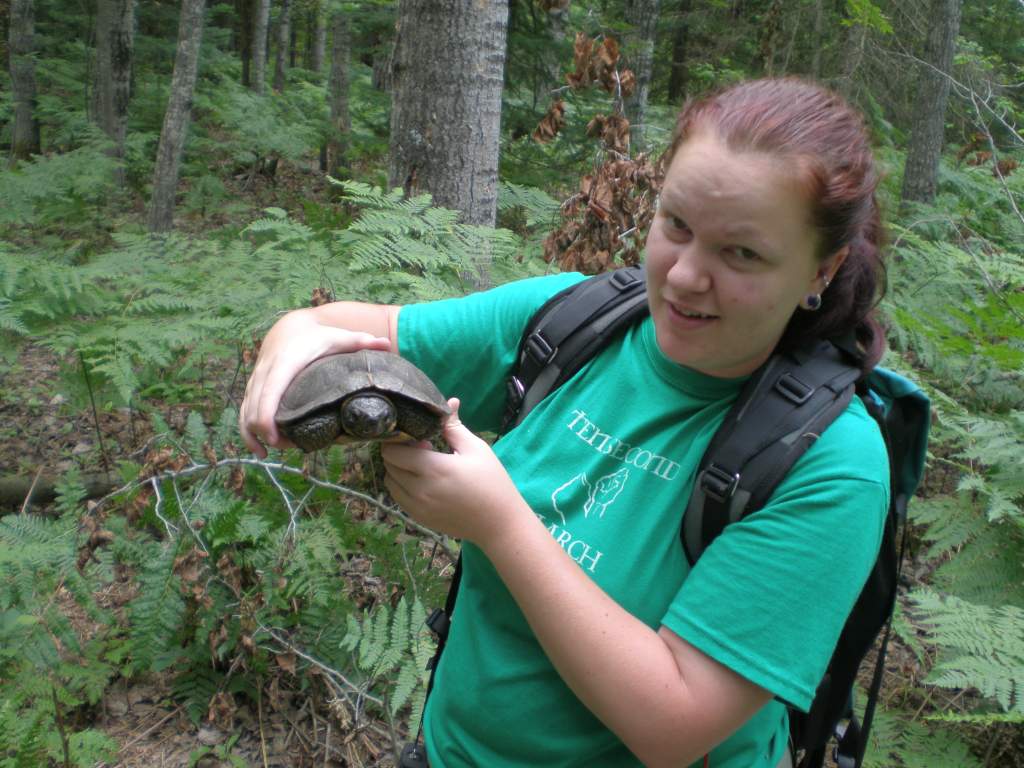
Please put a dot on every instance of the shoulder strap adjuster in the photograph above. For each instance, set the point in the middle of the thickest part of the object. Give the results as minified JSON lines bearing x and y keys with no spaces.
{"x":794,"y":390}
{"x":623,"y":279}
{"x":719,"y":483}
{"x":539,"y":348}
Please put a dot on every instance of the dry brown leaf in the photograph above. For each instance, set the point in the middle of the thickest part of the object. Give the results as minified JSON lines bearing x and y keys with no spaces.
{"x":286,"y":661}
{"x":551,"y":123}
{"x":581,"y":75}
{"x":320,"y":297}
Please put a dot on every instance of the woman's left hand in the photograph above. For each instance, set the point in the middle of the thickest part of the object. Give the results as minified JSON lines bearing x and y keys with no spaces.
{"x":466,"y":494}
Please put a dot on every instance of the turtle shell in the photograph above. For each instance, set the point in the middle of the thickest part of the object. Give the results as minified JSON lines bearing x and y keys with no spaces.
{"x":325,"y":384}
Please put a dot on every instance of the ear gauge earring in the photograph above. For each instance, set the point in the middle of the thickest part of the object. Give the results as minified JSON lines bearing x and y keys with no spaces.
{"x":812,"y":301}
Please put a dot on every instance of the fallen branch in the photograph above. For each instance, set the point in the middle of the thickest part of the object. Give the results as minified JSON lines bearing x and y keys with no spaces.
{"x":269,"y":466}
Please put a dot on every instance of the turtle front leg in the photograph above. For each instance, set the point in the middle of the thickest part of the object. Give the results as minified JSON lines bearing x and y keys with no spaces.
{"x":317,"y":431}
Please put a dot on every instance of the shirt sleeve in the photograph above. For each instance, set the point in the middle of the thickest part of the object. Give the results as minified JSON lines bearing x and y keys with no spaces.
{"x":468,"y":345}
{"x":769,"y":597}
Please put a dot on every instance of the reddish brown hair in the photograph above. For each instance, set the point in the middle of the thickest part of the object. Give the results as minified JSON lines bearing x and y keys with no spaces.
{"x":828,"y":142}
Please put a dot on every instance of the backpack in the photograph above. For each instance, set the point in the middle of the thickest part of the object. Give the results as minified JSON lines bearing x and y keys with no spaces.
{"x":781,"y":409}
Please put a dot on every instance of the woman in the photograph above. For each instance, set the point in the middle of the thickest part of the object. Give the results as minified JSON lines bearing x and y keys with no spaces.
{"x":581,"y":636}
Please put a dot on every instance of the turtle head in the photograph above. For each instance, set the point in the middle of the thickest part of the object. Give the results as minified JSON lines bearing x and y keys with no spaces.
{"x":368,"y":417}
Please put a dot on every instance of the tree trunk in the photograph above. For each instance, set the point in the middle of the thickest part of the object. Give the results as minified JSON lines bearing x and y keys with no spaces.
{"x":293,"y":47}
{"x":319,"y":40}
{"x":25,"y":140}
{"x":643,"y":16}
{"x":176,"y":119}
{"x":284,"y":36}
{"x":316,"y":37}
{"x":337,"y":91}
{"x":259,"y":46}
{"x":549,"y":67}
{"x":770,"y":25}
{"x":115,"y":28}
{"x":245,"y":21}
{"x":446,"y":103}
{"x":853,"y":52}
{"x":818,"y":38}
{"x":920,"y":174}
{"x":679,"y":75}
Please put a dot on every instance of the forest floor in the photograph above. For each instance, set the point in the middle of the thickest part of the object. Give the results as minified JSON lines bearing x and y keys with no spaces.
{"x":41,"y":437}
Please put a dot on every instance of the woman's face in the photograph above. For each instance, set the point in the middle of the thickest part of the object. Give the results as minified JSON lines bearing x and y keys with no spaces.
{"x":730,"y":255}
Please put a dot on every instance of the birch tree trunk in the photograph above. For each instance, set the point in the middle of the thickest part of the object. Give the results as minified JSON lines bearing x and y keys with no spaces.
{"x":176,"y":118}
{"x":25,"y":140}
{"x":337,"y":91}
{"x":446,"y":103}
{"x":259,"y":46}
{"x":115,"y":28}
{"x":643,"y":16}
{"x":284,"y":36}
{"x":920,"y":174}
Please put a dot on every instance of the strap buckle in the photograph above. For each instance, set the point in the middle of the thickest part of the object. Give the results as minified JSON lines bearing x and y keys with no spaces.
{"x":624,"y":279}
{"x":719,"y":483}
{"x":794,"y":390}
{"x":539,"y":348}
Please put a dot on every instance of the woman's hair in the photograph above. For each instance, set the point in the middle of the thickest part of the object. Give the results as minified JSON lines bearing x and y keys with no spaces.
{"x":828,"y":142}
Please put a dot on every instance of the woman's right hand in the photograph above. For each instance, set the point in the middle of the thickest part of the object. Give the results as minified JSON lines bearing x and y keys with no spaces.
{"x":296,"y":340}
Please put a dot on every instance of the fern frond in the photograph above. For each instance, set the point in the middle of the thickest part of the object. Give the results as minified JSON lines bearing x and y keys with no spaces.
{"x":982,"y":647}
{"x":157,"y":611}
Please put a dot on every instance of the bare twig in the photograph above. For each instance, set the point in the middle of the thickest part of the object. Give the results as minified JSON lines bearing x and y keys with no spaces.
{"x":153,"y":727}
{"x":168,"y":525}
{"x":995,"y":157}
{"x":346,"y":686}
{"x":95,"y":413}
{"x":28,"y":496}
{"x":156,"y":479}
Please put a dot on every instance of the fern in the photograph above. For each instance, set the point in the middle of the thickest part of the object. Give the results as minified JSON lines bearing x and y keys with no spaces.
{"x":538,"y":207}
{"x":156,"y":614}
{"x":896,"y":741}
{"x":982,"y":647}
{"x":392,"y":647}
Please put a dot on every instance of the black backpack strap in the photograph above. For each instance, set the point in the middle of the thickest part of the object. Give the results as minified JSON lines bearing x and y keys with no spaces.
{"x":780,"y":412}
{"x":567,"y":331}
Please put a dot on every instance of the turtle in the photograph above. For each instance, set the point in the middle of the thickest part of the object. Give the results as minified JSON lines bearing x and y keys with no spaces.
{"x":365,"y":395}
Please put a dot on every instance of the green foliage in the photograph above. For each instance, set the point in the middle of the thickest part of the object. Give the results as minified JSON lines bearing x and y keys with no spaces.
{"x":48,"y":670}
{"x":982,"y":647}
{"x":866,"y":14}
{"x":897,"y":741}
{"x":63,"y":192}
{"x":392,"y":648}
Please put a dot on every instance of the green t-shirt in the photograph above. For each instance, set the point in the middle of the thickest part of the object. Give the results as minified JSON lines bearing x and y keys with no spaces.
{"x":607,"y":462}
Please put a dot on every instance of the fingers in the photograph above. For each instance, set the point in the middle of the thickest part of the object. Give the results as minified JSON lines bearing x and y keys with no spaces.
{"x":411,"y":460}
{"x":455,"y":432}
